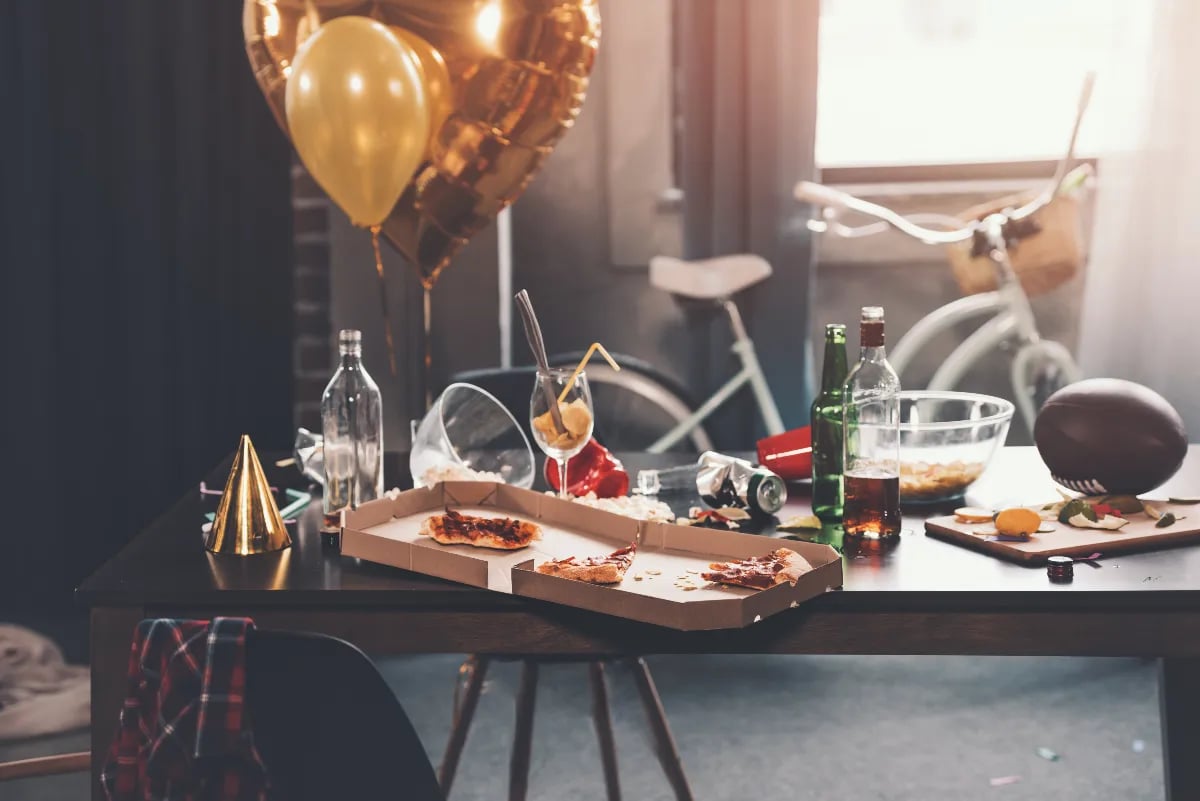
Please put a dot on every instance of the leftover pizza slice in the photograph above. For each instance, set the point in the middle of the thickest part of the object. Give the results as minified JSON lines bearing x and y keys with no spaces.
{"x":760,"y":572}
{"x":504,"y":533}
{"x":594,"y":569}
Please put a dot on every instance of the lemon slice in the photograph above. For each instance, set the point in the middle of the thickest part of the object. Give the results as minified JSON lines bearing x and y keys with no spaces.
{"x":972,"y":514}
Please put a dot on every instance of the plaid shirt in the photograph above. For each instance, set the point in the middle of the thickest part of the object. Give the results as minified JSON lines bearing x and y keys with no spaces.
{"x":183,"y":734}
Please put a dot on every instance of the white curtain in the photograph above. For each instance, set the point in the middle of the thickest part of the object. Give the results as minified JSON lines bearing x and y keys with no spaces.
{"x":1141,"y":310}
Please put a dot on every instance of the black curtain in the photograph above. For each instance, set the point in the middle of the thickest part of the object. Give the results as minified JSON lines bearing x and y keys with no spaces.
{"x":147,"y":251}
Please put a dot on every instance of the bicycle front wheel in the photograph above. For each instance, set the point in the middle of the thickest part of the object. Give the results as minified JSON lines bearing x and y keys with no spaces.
{"x":638,"y":405}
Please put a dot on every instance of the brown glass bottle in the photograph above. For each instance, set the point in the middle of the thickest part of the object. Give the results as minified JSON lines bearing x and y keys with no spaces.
{"x":871,"y":438}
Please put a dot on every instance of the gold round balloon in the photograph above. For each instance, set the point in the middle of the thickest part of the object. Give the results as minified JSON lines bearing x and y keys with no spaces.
{"x":357,"y":111}
{"x":439,"y":92}
{"x":517,"y":70}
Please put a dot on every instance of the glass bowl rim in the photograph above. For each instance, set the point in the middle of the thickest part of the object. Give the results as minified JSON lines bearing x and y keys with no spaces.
{"x":441,"y":420}
{"x":1004,"y":415}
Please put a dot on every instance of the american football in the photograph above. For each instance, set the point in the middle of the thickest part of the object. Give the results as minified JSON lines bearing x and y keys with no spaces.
{"x":1106,"y":435}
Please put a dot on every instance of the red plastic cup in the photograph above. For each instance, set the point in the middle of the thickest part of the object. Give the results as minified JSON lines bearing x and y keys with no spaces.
{"x":788,"y":455}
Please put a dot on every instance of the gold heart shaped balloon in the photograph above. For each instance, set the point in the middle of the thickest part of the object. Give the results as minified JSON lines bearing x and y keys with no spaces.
{"x":506,"y":79}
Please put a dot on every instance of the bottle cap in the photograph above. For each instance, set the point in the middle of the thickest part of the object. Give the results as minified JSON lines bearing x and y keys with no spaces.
{"x":1060,"y":568}
{"x":872,"y":314}
{"x":349,"y":336}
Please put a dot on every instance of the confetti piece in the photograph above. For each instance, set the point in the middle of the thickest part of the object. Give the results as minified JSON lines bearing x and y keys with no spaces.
{"x":1000,"y":781}
{"x":800,"y":522}
{"x":1139,"y":746}
{"x":1047,"y":754}
{"x":732,"y":513}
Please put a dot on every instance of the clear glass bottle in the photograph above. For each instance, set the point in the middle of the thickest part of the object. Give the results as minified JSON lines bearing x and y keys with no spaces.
{"x":352,"y":419}
{"x":827,"y":429}
{"x":871,"y":438}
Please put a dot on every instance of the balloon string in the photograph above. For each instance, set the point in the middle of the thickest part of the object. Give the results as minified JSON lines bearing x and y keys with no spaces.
{"x":428,"y":347}
{"x":387,"y":319}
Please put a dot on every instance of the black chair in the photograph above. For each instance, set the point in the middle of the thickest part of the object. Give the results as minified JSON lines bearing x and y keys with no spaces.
{"x":328,"y":726}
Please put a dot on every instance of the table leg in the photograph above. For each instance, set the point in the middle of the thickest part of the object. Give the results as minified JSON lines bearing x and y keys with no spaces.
{"x":111,"y":636}
{"x":518,"y":768}
{"x":604,"y":732}
{"x":478,"y":666}
{"x":668,"y":754}
{"x":1179,"y":705}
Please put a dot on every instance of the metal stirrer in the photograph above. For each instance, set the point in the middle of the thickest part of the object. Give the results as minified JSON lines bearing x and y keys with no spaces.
{"x":533,"y":333}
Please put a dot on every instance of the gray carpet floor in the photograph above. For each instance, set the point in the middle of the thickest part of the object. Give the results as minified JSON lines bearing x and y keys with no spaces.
{"x":888,"y":728}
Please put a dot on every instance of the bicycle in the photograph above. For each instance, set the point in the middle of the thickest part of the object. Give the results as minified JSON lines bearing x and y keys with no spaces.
{"x":641,"y":404}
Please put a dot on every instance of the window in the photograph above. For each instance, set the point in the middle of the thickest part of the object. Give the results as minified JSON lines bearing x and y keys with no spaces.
{"x":952,"y":81}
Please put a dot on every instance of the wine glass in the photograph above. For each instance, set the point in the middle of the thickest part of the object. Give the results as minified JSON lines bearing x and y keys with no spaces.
{"x":561,"y":439}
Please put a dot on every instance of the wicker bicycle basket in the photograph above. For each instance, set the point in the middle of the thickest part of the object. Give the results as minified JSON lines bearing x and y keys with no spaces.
{"x":1042,"y":261}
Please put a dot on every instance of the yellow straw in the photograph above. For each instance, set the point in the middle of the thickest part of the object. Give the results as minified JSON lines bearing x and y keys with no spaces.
{"x":596,"y":346}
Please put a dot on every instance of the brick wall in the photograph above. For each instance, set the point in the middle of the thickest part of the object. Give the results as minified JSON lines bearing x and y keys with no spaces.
{"x":312,"y":348}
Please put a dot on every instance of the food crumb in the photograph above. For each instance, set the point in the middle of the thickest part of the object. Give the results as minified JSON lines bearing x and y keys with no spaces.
{"x":637,"y":577}
{"x":690,"y":587}
{"x":757,"y":618}
{"x":653,"y":572}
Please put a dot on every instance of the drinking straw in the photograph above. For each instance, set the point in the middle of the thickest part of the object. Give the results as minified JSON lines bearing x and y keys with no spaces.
{"x":596,"y":346}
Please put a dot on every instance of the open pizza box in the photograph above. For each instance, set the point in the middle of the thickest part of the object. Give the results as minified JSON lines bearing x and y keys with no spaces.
{"x":669,"y":557}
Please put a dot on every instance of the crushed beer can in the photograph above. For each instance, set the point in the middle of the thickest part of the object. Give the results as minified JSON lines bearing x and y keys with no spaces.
{"x":726,"y":481}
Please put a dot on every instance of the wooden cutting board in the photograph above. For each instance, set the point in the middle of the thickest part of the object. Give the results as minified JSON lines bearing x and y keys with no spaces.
{"x":1139,"y":534}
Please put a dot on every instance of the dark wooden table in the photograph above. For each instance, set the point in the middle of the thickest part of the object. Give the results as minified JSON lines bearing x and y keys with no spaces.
{"x":923,"y":596}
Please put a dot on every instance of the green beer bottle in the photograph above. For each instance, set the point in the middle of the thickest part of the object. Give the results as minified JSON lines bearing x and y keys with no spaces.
{"x":827,"y":429}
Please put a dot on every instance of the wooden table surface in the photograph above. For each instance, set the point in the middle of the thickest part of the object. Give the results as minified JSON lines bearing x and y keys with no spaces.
{"x":923,"y":596}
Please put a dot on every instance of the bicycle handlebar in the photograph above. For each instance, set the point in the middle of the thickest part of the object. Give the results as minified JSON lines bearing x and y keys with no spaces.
{"x":832,"y":201}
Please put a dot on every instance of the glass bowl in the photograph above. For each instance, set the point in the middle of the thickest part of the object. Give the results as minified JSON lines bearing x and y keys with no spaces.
{"x":947,"y":440}
{"x":467,"y":427}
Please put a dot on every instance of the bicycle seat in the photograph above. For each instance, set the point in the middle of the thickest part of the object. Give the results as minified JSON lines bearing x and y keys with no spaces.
{"x":708,"y":279}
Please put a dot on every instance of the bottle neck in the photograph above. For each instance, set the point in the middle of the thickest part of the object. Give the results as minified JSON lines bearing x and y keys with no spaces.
{"x":870,"y":334}
{"x":351,"y":357}
{"x":875,"y":353}
{"x":833,"y":373}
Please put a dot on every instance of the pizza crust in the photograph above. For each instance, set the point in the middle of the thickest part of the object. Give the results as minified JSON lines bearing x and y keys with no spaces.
{"x":501,"y":533}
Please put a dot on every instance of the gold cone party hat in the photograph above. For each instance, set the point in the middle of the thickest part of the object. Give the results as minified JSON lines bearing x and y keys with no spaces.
{"x":247,"y":520}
